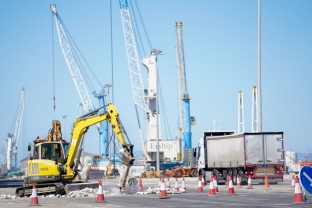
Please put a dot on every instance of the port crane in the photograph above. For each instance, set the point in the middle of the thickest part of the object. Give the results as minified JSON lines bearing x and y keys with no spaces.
{"x":185,"y":119}
{"x":146,"y":99}
{"x":13,"y":137}
{"x":78,"y":78}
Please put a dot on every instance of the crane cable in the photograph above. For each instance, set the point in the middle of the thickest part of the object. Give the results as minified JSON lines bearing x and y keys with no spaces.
{"x":77,"y":53}
{"x":83,"y":71}
{"x":54,"y":106}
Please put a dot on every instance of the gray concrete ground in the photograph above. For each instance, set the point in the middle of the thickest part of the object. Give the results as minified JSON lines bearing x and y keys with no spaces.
{"x":277,"y":195}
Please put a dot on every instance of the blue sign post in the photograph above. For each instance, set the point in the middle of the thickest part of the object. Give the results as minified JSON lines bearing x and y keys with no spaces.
{"x":305,"y":175}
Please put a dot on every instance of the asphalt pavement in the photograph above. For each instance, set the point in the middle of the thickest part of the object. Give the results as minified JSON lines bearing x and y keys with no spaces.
{"x":277,"y":195}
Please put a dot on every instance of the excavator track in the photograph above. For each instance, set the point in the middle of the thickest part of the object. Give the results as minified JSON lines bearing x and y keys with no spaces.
{"x":42,"y":189}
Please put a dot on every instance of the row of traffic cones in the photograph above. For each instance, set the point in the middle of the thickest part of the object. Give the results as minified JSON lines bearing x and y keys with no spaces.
{"x":163,"y":191}
{"x":213,"y":189}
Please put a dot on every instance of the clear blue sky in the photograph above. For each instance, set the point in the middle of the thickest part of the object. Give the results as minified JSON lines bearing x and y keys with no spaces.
{"x":220,"y":45}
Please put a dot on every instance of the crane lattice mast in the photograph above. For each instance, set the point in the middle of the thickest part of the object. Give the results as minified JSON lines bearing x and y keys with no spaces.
{"x":72,"y":64}
{"x":185,"y":117}
{"x":143,"y":98}
{"x":77,"y":76}
{"x":133,"y":59}
{"x":13,"y":138}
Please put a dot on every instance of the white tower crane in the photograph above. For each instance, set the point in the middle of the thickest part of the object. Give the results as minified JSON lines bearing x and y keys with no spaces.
{"x":78,"y":79}
{"x":146,"y":99}
{"x":72,"y":64}
{"x":13,"y":138}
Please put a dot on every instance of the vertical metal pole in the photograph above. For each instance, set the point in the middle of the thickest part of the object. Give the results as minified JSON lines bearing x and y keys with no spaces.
{"x":157,"y":119}
{"x":259,"y":106}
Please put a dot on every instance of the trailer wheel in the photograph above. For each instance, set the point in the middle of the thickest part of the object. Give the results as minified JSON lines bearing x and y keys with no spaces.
{"x":243,"y":178}
{"x":194,"y":173}
{"x":178,"y":173}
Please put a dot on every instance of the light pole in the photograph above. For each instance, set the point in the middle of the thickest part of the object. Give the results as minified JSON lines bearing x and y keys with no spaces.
{"x":64,"y":117}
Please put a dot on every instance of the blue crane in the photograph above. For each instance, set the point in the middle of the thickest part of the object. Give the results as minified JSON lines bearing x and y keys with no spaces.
{"x":185,"y":119}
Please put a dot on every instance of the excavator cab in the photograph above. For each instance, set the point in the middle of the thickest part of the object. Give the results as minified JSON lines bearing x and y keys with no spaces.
{"x":56,"y":151}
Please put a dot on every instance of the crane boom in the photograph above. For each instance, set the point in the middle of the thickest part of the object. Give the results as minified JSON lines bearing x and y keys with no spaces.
{"x":72,"y":64}
{"x":144,"y":98}
{"x":13,"y":138}
{"x":134,"y":65}
{"x":185,"y":117}
{"x":133,"y":59}
{"x":78,"y":79}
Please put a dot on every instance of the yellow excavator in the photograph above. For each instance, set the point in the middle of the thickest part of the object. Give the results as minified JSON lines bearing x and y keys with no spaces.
{"x":55,"y":162}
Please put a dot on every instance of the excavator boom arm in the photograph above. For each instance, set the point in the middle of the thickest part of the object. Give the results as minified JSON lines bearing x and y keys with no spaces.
{"x":81,"y":126}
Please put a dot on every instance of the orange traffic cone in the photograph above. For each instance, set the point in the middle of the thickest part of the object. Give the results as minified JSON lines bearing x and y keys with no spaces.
{"x":203,"y":181}
{"x":159,"y":183}
{"x":298,"y":195}
{"x":231,"y":187}
{"x":100,"y":196}
{"x":266,"y":182}
{"x":140,"y":188}
{"x":293,"y":182}
{"x":249,"y":183}
{"x":215,"y":184}
{"x":34,"y":197}
{"x":176,"y":187}
{"x":168,"y":183}
{"x":212,"y":191}
{"x":183,"y":184}
{"x":238,"y":181}
{"x":163,"y":192}
{"x":199,"y":187}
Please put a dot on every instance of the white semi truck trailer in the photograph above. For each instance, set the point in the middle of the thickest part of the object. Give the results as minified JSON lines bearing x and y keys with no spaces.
{"x":224,"y":153}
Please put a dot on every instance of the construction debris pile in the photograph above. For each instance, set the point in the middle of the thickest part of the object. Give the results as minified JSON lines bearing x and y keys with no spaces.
{"x":89,"y":192}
